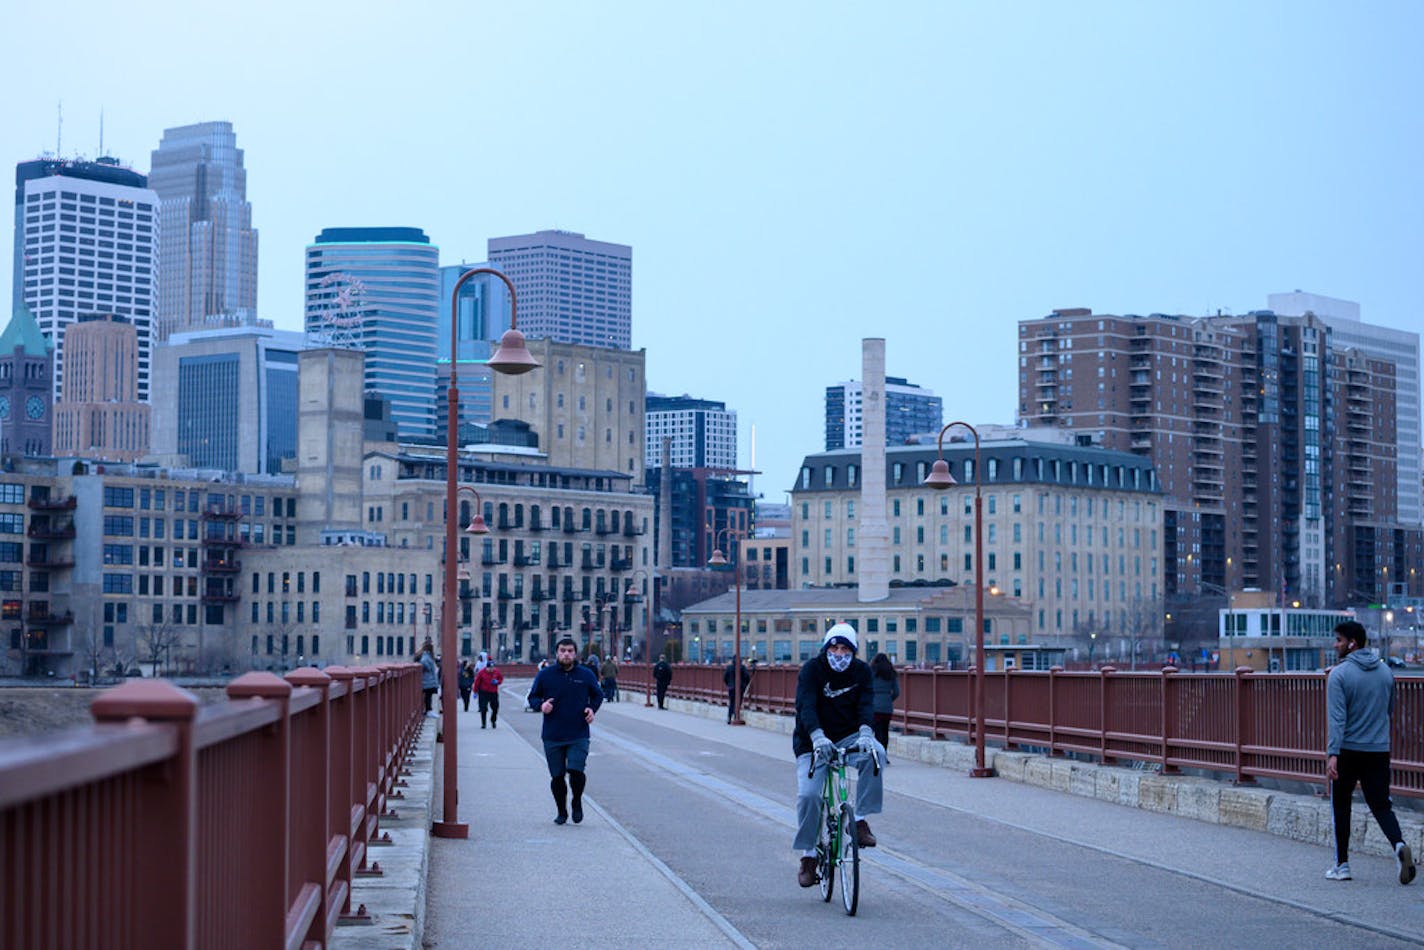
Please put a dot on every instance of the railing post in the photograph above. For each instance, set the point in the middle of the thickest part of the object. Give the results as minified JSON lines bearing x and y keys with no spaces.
{"x":1103,"y":717}
{"x":1242,"y":692}
{"x":269,"y":817}
{"x":1169,"y":718}
{"x":168,"y":821}
{"x":348,"y":811}
{"x":313,"y":848}
{"x":1053,"y":672}
{"x":1008,"y":707}
{"x":934,"y":707}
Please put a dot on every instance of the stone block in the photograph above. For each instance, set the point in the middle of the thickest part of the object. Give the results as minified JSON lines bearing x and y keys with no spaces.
{"x":1198,"y":798}
{"x":1011,"y":765}
{"x":1243,"y":807}
{"x":1157,"y":793}
{"x":1297,"y":818}
{"x":1062,"y":774}
{"x":1129,"y":787}
{"x":1039,"y":772}
{"x":1107,"y":782}
{"x":1083,"y":779}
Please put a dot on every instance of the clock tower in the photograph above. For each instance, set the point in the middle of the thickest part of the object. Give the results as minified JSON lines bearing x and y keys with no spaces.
{"x":26,"y":384}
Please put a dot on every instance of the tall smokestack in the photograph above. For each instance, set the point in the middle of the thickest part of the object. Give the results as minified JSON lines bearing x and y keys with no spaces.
{"x":874,"y":531}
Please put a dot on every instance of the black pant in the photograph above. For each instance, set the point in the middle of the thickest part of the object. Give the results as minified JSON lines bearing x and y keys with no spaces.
{"x":465,"y":698}
{"x":662,"y":694}
{"x":489,"y":702}
{"x":429,"y":694}
{"x":1371,"y":771}
{"x":882,"y":728}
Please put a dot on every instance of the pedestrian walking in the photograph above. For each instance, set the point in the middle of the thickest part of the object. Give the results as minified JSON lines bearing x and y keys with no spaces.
{"x":729,"y":678}
{"x":467,"y":682}
{"x":568,"y":695}
{"x":1359,"y":696}
{"x":662,"y":675}
{"x":610,"y":679}
{"x":487,"y":683}
{"x":887,"y":690}
{"x":429,"y":674}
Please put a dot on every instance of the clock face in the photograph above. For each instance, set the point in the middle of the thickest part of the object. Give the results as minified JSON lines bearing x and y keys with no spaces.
{"x":4,"y":407}
{"x":35,"y":407}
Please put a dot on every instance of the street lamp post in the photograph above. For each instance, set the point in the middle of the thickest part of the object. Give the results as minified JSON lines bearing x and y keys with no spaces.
{"x":939,"y":478}
{"x":511,"y":358}
{"x":718,"y":559}
{"x":648,"y":635}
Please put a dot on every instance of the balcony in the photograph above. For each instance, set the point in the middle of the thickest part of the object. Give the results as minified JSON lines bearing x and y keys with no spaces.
{"x":219,"y":541}
{"x":570,"y":528}
{"x":212,"y":566}
{"x":490,"y":560}
{"x":524,"y":560}
{"x":537,"y":525}
{"x":67,"y":503}
{"x":621,"y":564}
{"x":41,"y":617}
{"x":220,"y":597}
{"x":222,"y":513}
{"x":632,"y":531}
{"x":587,"y":564}
{"x":49,"y":532}
{"x":505,"y":593}
{"x":605,"y":529}
{"x":50,"y":563}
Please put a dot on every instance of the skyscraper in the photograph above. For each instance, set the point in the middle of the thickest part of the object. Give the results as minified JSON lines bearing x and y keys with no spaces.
{"x":85,"y":236}
{"x":97,"y":415}
{"x":703,"y":432}
{"x":483,"y":317}
{"x":377,"y":289}
{"x":207,"y":274}
{"x":571,"y":289}
{"x":1400,"y":347}
{"x":909,"y":410}
{"x":235,"y":398}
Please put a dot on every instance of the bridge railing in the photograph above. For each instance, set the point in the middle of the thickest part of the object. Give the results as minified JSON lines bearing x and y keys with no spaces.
{"x":1246,"y":725}
{"x":235,"y":824}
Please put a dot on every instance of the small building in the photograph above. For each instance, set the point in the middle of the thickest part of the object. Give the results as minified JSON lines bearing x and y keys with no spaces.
{"x":1255,"y":632}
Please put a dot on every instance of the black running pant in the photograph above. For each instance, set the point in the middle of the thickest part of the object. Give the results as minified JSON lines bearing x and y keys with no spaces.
{"x":489,"y":702}
{"x":1371,"y":771}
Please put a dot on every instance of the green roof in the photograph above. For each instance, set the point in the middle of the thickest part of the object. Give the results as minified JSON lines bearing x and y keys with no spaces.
{"x":24,"y":332}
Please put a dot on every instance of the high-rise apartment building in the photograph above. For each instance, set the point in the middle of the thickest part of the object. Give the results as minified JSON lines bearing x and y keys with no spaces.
{"x":1275,"y":447}
{"x":570,"y":289}
{"x":377,"y":289}
{"x":85,"y":242}
{"x":26,"y":369}
{"x":909,"y":411}
{"x":585,"y":403}
{"x":703,"y":432}
{"x":235,"y":398}
{"x":1400,"y":347}
{"x":207,"y":266}
{"x":98,"y":415}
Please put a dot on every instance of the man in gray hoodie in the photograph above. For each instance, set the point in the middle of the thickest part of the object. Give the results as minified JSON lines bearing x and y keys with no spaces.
{"x":1359,"y":695}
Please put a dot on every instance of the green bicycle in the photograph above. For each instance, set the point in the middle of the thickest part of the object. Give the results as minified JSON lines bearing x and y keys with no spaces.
{"x":837,"y":845}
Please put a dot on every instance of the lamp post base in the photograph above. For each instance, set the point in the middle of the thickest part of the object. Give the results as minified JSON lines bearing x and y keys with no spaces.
{"x":450,"y":829}
{"x":981,"y":773}
{"x":739,"y":721}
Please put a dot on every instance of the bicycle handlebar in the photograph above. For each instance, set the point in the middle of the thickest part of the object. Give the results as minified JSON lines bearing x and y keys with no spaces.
{"x":839,"y":755}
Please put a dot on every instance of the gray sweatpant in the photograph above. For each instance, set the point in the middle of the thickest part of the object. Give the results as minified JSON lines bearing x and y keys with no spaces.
{"x":869,"y":791}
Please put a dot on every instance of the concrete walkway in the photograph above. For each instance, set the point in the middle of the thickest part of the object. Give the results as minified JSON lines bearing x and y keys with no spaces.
{"x":522,"y":881}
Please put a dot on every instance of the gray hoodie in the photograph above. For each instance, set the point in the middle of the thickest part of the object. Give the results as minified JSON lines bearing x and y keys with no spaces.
{"x":1359,"y":698}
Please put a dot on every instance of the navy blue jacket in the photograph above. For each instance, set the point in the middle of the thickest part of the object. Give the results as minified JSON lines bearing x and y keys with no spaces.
{"x":572,"y":691}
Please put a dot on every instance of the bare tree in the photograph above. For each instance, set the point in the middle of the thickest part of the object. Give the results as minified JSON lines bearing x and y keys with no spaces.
{"x":155,"y":643}
{"x":94,"y":652}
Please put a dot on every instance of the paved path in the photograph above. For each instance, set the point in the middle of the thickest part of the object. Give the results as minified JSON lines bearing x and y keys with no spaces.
{"x":688,"y":844}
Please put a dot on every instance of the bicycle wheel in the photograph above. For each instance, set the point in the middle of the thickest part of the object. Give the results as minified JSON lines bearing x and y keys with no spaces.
{"x":848,"y":867}
{"x":826,"y":849}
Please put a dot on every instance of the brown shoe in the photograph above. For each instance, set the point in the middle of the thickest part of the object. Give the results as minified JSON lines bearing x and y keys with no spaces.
{"x":863,"y":836}
{"x":806,"y":877}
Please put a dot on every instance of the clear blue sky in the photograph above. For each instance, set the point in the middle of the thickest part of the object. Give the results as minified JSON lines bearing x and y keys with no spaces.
{"x":793,"y":177}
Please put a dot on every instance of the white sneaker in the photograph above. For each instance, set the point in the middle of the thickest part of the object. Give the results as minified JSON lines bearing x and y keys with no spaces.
{"x":1405,"y":860}
{"x":1340,"y":872}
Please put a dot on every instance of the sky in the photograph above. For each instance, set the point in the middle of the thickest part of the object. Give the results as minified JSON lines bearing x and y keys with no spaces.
{"x":794,"y":177}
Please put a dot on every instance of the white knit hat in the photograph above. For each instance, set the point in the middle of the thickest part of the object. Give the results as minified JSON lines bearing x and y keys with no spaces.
{"x":843,"y":632}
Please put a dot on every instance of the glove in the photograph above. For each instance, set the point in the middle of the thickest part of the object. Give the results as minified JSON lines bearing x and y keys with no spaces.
{"x":866,"y":741}
{"x":821,"y":747}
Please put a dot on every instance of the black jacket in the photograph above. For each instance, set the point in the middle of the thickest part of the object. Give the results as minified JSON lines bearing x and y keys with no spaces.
{"x":663,"y":672}
{"x":728,"y":673}
{"x":572,"y":691}
{"x":836,"y":703}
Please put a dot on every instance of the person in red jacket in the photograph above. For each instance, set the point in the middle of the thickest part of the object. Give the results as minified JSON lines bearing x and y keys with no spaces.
{"x":487,"y":682}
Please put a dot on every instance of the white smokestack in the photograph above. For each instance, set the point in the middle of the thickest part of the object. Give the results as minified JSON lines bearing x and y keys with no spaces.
{"x":874,"y":532}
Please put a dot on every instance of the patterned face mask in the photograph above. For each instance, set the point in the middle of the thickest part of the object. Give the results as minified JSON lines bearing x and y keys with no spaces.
{"x":840,"y":662}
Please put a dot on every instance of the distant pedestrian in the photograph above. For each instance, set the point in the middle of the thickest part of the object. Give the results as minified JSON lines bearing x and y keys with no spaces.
{"x":610,"y":679}
{"x":487,"y":683}
{"x":887,"y":690}
{"x":662,"y":675}
{"x":467,"y":682}
{"x":729,"y":679}
{"x":429,"y":674}
{"x":568,"y":695}
{"x":592,"y":662}
{"x":481,"y":661}
{"x":1359,"y":696}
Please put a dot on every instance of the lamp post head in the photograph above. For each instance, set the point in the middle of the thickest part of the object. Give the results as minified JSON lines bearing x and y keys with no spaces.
{"x":477,"y":525}
{"x":513,"y":357}
{"x":718,"y":559}
{"x":939,"y":477}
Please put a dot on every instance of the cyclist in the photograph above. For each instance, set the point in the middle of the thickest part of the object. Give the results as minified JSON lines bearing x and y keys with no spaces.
{"x":835,"y":707}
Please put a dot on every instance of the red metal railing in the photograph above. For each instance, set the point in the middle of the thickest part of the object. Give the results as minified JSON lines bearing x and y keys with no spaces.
{"x":239,"y":824}
{"x":1246,"y":725}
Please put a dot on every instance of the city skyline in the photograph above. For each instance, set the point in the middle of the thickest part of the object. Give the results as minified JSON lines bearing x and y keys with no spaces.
{"x":948,"y":185}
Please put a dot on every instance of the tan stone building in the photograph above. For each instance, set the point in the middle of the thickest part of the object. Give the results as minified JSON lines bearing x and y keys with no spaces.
{"x":586,"y":403}
{"x":98,"y":415}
